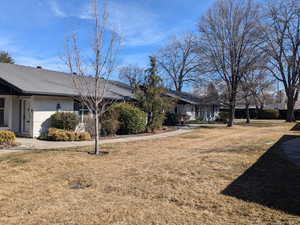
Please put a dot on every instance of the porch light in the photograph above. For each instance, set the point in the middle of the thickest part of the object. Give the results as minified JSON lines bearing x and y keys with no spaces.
{"x":58,"y":107}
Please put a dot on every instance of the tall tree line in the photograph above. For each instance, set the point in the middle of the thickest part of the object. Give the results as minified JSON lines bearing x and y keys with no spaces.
{"x":241,"y":46}
{"x":247,"y":45}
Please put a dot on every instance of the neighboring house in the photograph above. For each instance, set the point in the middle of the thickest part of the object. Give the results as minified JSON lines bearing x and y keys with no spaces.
{"x":29,"y":96}
{"x":194,"y":106}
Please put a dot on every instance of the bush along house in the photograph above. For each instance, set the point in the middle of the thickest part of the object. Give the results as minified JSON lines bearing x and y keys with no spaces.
{"x":29,"y":96}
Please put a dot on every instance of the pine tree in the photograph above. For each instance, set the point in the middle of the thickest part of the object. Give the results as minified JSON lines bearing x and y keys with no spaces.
{"x":6,"y":58}
{"x":151,"y":97}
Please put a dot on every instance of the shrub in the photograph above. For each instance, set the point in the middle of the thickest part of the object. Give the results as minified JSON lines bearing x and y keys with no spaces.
{"x":132,"y":119}
{"x":268,"y":114}
{"x":84,"y":136}
{"x":157,"y":122}
{"x":55,"y":134}
{"x":64,"y":120}
{"x":172,"y":119}
{"x":89,"y":125}
{"x":110,"y":127}
{"x":110,"y":123}
{"x":200,"y":119}
{"x":223,"y":116}
{"x":7,"y":137}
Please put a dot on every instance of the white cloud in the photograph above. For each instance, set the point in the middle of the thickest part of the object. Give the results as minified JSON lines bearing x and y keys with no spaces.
{"x":135,"y":23}
{"x":54,"y":6}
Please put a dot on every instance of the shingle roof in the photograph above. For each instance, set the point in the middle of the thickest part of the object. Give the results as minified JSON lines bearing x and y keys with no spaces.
{"x":30,"y":80}
{"x":192,"y":99}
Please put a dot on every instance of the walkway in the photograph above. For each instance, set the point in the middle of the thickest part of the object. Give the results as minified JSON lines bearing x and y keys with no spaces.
{"x":35,"y":144}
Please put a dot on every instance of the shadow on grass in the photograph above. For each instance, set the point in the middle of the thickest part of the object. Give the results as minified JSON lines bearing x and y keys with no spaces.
{"x":296,"y":127}
{"x":257,"y":123}
{"x":271,"y":181}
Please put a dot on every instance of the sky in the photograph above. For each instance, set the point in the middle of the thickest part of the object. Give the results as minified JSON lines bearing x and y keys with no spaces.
{"x":33,"y":32}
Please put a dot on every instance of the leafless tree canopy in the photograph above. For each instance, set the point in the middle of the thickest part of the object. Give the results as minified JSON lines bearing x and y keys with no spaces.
{"x":132,"y":75}
{"x":91,"y":73}
{"x":256,"y":89}
{"x":282,"y":27}
{"x":178,"y":61}
{"x":230,"y":41}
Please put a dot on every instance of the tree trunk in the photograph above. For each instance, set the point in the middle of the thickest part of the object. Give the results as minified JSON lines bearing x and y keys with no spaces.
{"x":149,"y":122}
{"x":97,"y":147}
{"x":232,"y":109}
{"x":247,"y":113}
{"x":290,"y":110}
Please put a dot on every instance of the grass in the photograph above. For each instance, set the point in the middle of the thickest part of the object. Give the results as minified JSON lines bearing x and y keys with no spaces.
{"x":208,"y":176}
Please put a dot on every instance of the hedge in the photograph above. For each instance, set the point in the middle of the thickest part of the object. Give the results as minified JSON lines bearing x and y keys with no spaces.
{"x":7,"y":137}
{"x":223,"y":116}
{"x":55,"y":134}
{"x":172,"y":119}
{"x":64,"y":120}
{"x":268,"y":114}
{"x":131,"y":119}
{"x":241,"y":114}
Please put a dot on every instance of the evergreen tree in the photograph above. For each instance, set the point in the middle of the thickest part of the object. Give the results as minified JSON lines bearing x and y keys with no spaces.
{"x":151,"y":97}
{"x":6,"y":58}
{"x":212,"y":91}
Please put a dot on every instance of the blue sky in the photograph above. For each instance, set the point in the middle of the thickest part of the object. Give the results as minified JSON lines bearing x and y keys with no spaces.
{"x":33,"y":31}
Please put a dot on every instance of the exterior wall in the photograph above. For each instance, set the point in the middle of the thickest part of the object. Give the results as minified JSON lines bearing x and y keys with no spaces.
{"x":187,"y":109}
{"x":16,"y":120}
{"x":10,"y":112}
{"x":206,"y":112}
{"x":43,"y":107}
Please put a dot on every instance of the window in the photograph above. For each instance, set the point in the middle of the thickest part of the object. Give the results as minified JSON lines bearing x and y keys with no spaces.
{"x":2,"y":106}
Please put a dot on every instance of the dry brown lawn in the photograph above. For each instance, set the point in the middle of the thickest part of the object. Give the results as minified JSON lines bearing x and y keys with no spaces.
{"x":212,"y":175}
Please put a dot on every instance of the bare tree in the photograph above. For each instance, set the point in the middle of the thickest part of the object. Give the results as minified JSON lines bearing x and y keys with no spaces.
{"x":91,"y":73}
{"x":230,"y":41}
{"x":255,"y":88}
{"x":245,"y":97}
{"x":283,"y":46}
{"x":261,"y":87}
{"x":132,"y":75}
{"x":178,"y":61}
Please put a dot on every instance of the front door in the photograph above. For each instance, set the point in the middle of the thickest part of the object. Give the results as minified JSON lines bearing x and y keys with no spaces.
{"x":26,"y":116}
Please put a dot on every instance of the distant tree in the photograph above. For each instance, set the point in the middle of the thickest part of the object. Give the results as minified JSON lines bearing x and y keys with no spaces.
{"x":178,"y":61}
{"x":212,"y":91}
{"x":255,"y":88}
{"x":132,"y":75}
{"x":6,"y":58}
{"x":261,"y":89}
{"x":282,"y":33}
{"x":230,"y":44}
{"x":151,"y":97}
{"x":244,"y":96}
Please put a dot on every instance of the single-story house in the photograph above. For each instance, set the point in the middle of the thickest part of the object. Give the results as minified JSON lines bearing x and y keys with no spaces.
{"x":194,"y":106}
{"x":29,"y":96}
